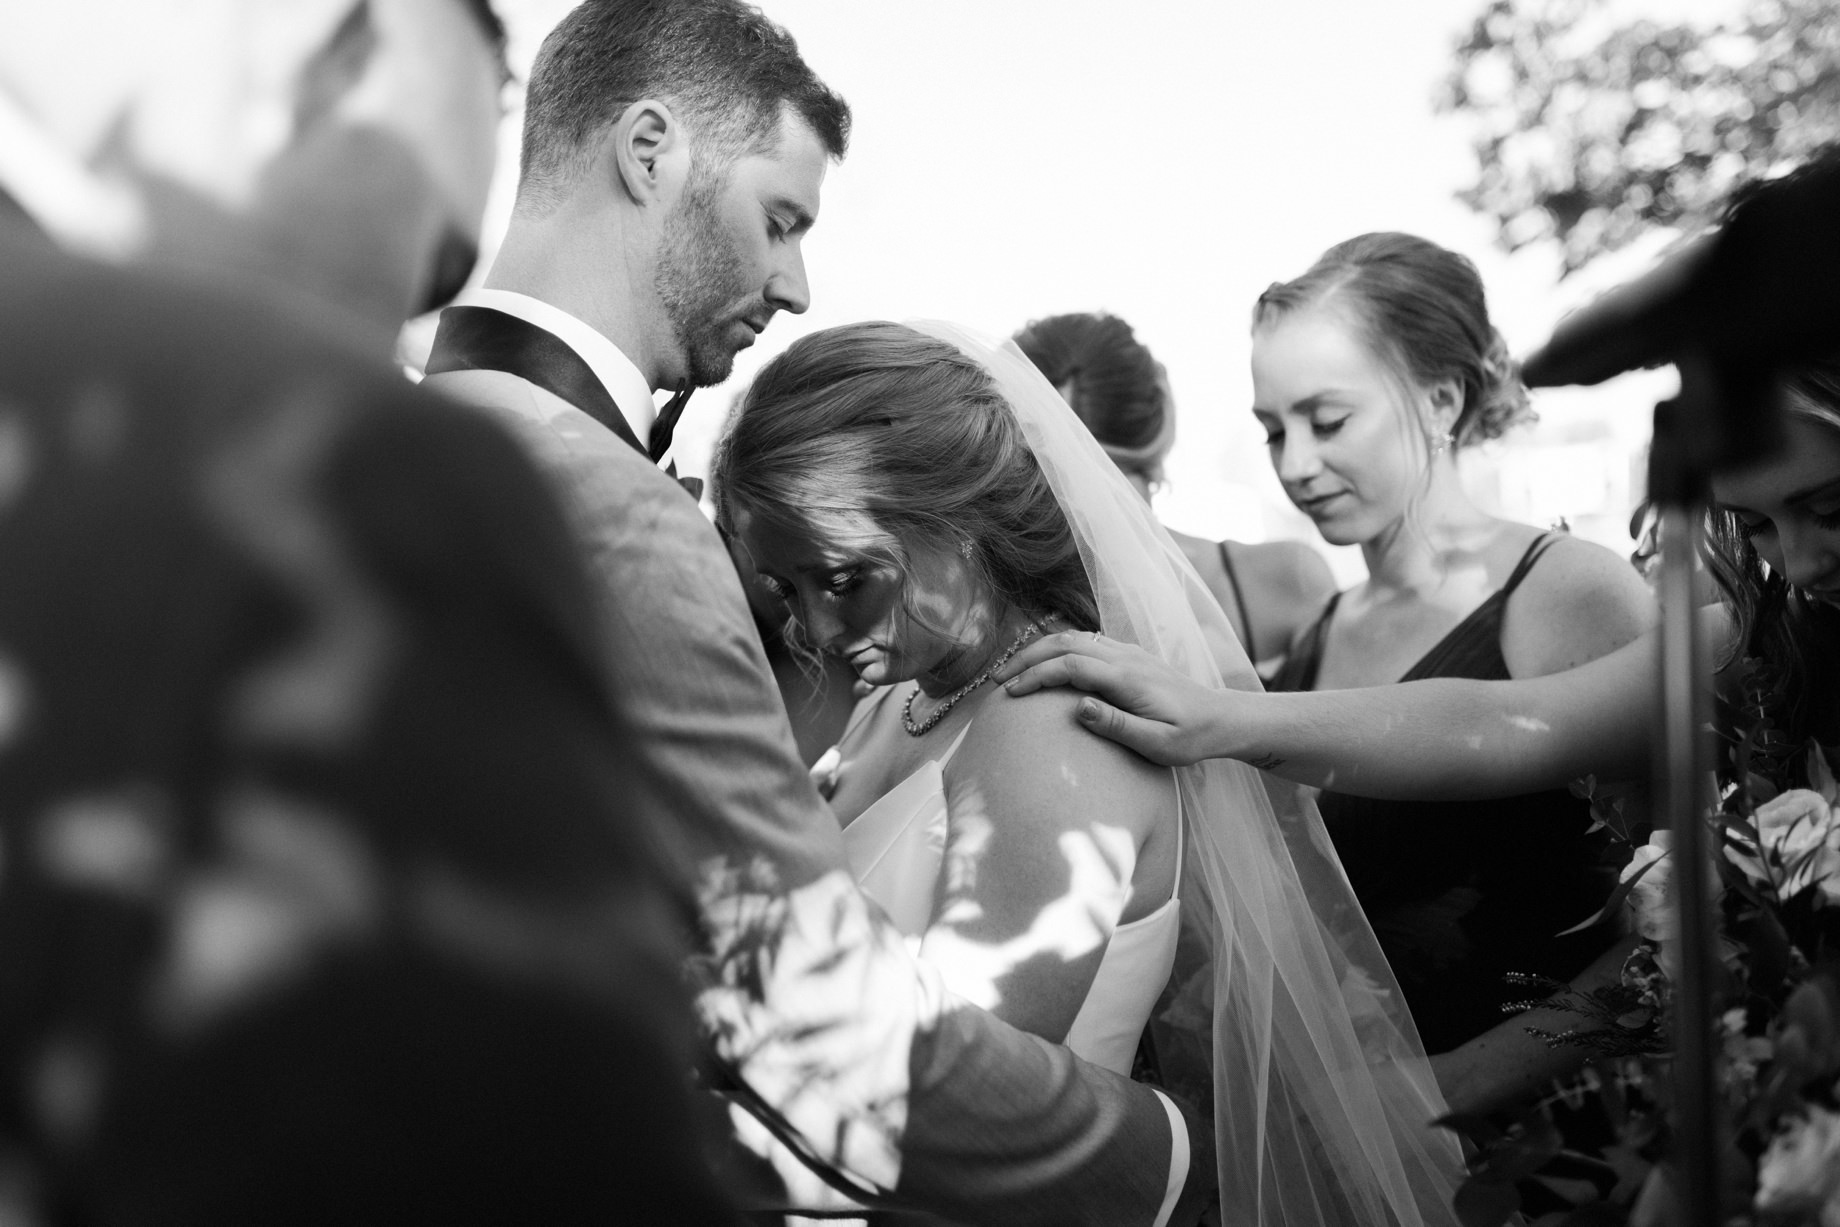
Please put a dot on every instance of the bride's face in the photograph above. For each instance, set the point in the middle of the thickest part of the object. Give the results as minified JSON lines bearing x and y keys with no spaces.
{"x":855,"y":607}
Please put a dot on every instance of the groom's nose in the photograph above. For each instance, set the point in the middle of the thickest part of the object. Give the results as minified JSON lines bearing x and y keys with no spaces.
{"x":787,"y":288}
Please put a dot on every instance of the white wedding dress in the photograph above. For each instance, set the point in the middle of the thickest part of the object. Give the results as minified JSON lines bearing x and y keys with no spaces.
{"x":896,"y":850}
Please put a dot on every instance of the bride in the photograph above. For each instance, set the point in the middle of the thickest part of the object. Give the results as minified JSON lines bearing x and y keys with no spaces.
{"x":924,"y":505}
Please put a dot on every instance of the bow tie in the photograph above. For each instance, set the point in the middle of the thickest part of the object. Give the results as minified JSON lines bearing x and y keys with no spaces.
{"x":665,"y":424}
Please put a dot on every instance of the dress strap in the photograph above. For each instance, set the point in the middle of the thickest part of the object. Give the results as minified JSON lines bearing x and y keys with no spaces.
{"x":1175,"y":891}
{"x":1239,"y":599}
{"x":1540,"y":545}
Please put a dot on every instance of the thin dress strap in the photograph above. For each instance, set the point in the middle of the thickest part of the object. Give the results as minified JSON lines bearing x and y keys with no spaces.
{"x":1540,"y":545}
{"x":1239,"y":599}
{"x":1175,"y":891}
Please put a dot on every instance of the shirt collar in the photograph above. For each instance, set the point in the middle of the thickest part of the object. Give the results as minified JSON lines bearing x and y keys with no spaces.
{"x":79,"y":209}
{"x":615,"y":370}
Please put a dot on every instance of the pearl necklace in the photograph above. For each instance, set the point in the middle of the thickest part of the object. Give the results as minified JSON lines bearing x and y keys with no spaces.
{"x":939,"y":713}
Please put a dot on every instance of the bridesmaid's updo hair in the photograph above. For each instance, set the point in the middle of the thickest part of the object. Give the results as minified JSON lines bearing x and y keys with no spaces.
{"x":875,"y":436}
{"x":1425,"y":313}
{"x":1114,"y":385}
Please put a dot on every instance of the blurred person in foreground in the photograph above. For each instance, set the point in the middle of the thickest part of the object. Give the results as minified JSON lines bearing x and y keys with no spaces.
{"x":1269,"y":590}
{"x":324,"y":900}
{"x":674,"y":154}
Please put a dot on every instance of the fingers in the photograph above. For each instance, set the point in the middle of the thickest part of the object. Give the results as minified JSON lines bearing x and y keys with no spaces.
{"x":1056,"y":646}
{"x":1134,"y":733}
{"x":1079,"y":672}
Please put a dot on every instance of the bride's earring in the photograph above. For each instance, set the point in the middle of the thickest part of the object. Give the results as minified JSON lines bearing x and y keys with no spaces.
{"x":966,"y":549}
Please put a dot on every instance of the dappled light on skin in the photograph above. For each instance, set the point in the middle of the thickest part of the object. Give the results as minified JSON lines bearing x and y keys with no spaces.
{"x":1074,"y":925}
{"x":1530,"y":724}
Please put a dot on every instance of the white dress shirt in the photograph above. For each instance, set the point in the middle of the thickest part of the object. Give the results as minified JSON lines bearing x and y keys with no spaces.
{"x":615,"y":370}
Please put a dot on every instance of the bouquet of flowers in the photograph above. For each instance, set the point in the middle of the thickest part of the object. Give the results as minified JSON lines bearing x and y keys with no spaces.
{"x":1598,"y":1150}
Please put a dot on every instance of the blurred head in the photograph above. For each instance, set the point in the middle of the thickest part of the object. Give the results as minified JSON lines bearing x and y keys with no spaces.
{"x":1113,"y":384}
{"x":1370,"y":371}
{"x":882,"y":488}
{"x":1773,"y":545}
{"x":700,"y":115}
{"x":341,"y":146}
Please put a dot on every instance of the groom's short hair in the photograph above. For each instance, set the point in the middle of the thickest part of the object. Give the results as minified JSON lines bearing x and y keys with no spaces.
{"x":721,"y":65}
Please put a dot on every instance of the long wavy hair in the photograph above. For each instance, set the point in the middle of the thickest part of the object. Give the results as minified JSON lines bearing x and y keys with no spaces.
{"x":875,"y":438}
{"x":1793,"y":638}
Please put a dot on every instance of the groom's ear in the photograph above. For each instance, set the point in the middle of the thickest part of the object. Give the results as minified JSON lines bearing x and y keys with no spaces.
{"x":650,"y":154}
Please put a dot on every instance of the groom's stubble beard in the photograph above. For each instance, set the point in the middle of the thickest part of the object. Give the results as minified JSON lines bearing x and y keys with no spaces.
{"x":702,"y":283}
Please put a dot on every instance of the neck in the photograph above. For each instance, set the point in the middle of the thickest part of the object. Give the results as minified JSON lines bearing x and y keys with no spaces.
{"x":961,"y":667}
{"x":586,"y":266}
{"x":1409,"y":556}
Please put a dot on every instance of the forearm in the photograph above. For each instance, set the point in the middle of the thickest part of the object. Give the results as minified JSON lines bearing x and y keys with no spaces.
{"x":1440,"y":739}
{"x":1505,"y":1066}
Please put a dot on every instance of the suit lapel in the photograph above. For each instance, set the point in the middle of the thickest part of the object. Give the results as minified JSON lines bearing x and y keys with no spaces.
{"x":484,"y":339}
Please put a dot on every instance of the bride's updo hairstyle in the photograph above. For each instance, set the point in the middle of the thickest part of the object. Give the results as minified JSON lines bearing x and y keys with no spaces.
{"x":1423,"y":311}
{"x":874,"y":435}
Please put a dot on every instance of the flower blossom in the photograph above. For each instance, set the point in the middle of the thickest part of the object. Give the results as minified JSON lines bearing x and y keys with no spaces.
{"x":1800,"y":1172}
{"x":1799,"y":827}
{"x":1647,"y":901}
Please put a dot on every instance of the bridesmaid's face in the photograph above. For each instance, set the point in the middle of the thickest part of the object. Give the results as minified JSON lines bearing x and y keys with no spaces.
{"x":854,"y":606}
{"x":1347,"y":435}
{"x":1790,"y":506}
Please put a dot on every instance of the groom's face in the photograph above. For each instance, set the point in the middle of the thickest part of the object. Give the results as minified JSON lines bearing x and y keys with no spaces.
{"x":733,"y":252}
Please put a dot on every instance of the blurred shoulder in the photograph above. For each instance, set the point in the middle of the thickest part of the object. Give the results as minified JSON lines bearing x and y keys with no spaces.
{"x":1288,"y":571}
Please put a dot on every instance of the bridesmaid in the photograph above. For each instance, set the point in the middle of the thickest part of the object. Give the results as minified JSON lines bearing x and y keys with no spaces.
{"x":1371,"y":372}
{"x":1269,"y":590}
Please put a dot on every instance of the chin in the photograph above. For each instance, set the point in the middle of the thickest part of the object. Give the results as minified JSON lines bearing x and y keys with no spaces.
{"x":1337,"y":532}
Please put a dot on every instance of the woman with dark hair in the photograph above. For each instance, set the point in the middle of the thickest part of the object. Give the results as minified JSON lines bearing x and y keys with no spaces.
{"x":1269,"y":590}
{"x":924,"y":505}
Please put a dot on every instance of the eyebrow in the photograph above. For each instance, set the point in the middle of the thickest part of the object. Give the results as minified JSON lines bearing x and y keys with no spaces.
{"x":1830,"y":486}
{"x":1805,"y":495}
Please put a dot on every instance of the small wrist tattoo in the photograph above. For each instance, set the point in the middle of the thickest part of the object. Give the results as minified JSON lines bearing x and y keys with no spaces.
{"x":1265,"y":762}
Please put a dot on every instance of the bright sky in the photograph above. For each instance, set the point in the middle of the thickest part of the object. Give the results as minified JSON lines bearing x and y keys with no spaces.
{"x":1165,"y":160}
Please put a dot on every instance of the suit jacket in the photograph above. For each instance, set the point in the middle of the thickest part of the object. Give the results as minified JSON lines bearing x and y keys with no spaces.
{"x":325,"y":897}
{"x":837,"y":1031}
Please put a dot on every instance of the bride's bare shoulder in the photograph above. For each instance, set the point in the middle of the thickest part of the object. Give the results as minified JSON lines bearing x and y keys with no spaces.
{"x":1034,"y":746}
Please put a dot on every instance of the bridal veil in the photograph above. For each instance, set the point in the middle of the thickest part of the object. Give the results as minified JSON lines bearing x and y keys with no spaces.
{"x":1282,"y":1010}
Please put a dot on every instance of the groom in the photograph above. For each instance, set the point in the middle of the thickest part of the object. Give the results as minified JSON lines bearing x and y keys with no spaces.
{"x":673,"y":158}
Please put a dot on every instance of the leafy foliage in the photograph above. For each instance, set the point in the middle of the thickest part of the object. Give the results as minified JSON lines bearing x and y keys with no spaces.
{"x":1599,"y":1149}
{"x":1589,"y":132}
